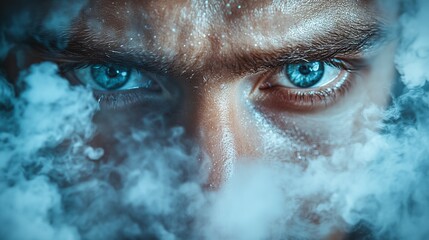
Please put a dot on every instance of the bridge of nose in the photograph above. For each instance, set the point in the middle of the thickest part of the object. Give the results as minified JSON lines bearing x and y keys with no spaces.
{"x":218,"y":117}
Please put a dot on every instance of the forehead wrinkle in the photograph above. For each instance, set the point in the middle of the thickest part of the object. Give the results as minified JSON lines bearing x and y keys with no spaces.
{"x":264,"y":10}
{"x":284,"y":24}
{"x":187,"y":30}
{"x":243,"y":9}
{"x":162,"y":27}
{"x":201,"y":56}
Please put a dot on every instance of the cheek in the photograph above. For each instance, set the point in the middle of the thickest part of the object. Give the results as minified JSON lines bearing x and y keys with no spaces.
{"x":296,"y":137}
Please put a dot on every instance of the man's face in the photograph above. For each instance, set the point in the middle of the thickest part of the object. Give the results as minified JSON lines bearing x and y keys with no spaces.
{"x":278,"y":80}
{"x":249,"y":81}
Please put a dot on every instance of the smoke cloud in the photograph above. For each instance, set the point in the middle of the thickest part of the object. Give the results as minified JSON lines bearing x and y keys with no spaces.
{"x":54,"y":184}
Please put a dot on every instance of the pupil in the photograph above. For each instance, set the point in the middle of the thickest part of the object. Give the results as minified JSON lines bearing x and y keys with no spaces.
{"x":110,"y":77}
{"x":304,"y":69}
{"x":112,"y":72}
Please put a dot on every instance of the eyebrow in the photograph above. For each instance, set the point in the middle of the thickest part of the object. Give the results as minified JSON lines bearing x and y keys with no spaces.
{"x":343,"y":41}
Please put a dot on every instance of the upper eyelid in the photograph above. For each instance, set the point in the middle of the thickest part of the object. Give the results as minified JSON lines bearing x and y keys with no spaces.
{"x":350,"y":65}
{"x":354,"y":65}
{"x":74,"y":61}
{"x":65,"y":67}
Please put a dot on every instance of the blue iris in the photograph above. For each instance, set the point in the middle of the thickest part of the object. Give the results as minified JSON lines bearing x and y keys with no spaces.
{"x":110,"y":76}
{"x":305,"y":75}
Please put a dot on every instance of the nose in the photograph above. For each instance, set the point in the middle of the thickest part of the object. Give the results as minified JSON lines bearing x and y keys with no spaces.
{"x":220,"y":124}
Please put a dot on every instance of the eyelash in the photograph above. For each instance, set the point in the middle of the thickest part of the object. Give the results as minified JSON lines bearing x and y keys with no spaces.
{"x":304,"y":100}
{"x":115,"y":99}
{"x":290,"y":98}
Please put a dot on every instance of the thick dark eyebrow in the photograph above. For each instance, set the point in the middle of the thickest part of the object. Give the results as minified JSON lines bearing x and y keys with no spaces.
{"x":86,"y":49}
{"x":343,"y":41}
{"x":351,"y":41}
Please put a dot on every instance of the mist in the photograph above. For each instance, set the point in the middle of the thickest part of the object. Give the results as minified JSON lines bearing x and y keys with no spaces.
{"x":55,"y":184}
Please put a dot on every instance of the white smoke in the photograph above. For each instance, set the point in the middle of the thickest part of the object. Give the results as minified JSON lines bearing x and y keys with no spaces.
{"x":55,"y":185}
{"x":46,"y":160}
{"x":39,"y":122}
{"x":413,"y":54}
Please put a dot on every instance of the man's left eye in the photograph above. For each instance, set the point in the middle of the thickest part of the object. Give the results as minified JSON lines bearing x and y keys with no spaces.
{"x":307,"y":86}
{"x":308,"y":75}
{"x":111,"y":77}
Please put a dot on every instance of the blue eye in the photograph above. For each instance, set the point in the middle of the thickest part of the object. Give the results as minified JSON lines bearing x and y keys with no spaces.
{"x":305,"y":75}
{"x":110,"y":77}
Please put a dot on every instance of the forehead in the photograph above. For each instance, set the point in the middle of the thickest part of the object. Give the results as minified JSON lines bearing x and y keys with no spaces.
{"x":194,"y":29}
{"x":232,"y":11}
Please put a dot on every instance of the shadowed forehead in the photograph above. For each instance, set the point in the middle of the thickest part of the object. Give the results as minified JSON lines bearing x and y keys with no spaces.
{"x":194,"y":32}
{"x":203,"y":16}
{"x":226,"y":8}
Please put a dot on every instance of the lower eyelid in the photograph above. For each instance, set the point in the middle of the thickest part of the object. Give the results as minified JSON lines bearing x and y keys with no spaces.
{"x":144,"y":97}
{"x":128,"y":98}
{"x":304,"y":100}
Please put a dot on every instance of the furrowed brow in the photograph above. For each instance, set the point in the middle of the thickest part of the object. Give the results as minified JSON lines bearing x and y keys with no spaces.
{"x":86,"y":48}
{"x":342,"y":42}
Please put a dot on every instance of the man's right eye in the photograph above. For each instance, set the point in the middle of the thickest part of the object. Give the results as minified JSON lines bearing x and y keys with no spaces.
{"x":111,"y":77}
{"x":117,"y":86}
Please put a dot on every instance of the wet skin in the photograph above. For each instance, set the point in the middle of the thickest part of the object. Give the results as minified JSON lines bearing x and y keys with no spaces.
{"x":221,"y":70}
{"x":218,"y":69}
